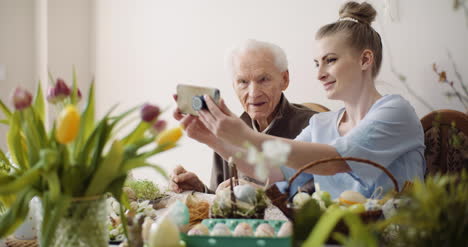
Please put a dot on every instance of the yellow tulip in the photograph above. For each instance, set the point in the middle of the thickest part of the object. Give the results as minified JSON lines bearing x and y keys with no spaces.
{"x":68,"y":125}
{"x":169,"y":137}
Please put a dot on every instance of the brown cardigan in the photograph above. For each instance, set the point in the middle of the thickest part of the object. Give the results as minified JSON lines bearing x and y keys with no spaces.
{"x":290,"y":120}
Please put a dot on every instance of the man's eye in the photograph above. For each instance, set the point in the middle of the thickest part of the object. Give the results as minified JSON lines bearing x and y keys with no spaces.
{"x":263,"y":79}
{"x":242,"y":81}
{"x":331,"y":60}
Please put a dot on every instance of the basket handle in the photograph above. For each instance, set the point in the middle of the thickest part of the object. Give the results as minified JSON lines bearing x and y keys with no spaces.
{"x":369,"y":162}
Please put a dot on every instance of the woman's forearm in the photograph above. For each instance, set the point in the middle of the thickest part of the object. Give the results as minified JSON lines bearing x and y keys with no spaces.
{"x":226,"y":150}
{"x":303,"y":153}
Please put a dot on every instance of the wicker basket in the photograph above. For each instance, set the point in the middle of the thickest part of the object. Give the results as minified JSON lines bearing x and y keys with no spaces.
{"x":281,"y":200}
{"x":13,"y":242}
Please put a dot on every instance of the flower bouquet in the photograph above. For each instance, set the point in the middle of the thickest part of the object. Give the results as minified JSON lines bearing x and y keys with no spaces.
{"x":76,"y":161}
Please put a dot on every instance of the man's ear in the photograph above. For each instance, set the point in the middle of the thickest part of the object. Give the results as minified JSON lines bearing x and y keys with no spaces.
{"x":285,"y":81}
{"x":367,"y":59}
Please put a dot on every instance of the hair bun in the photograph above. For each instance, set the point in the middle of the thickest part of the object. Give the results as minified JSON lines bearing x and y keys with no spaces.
{"x":363,"y":12}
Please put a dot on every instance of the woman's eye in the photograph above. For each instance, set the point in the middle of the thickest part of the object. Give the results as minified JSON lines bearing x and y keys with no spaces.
{"x":331,"y":60}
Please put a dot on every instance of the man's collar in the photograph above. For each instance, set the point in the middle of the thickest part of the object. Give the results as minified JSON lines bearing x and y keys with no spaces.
{"x":283,"y":106}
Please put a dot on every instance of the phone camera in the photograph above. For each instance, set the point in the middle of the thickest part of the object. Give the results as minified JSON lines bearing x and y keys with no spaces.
{"x":198,"y":103}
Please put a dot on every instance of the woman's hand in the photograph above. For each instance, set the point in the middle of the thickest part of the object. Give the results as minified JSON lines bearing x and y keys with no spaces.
{"x":223,"y":123}
{"x":194,"y":127}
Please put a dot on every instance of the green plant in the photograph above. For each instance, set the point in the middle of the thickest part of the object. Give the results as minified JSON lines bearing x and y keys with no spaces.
{"x":436,"y":213}
{"x":144,"y":189}
{"x":77,"y":158}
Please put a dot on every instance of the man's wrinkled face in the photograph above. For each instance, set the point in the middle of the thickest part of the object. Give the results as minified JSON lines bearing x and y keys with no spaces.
{"x":258,"y":84}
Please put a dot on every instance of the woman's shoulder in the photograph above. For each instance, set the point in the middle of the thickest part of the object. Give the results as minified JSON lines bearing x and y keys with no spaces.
{"x":324,"y":117}
{"x":394,"y":106}
{"x":394,"y":101}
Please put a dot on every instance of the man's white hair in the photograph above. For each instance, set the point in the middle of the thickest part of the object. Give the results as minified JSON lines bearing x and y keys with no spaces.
{"x":250,"y":45}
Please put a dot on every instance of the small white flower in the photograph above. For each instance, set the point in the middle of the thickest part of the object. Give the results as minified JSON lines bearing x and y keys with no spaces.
{"x":261,"y":171}
{"x":276,"y":152}
{"x":253,"y":155}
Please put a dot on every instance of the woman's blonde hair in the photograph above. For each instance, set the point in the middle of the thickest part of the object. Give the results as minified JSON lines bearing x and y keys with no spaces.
{"x":355,"y":22}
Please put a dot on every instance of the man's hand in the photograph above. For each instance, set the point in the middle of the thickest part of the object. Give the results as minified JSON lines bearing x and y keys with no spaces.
{"x":182,"y":180}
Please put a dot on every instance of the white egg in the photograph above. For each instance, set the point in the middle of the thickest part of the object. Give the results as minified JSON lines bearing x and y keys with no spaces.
{"x":199,"y":230}
{"x":285,"y":230}
{"x":220,"y":229}
{"x":300,"y":199}
{"x":164,"y":233}
{"x":265,"y":230}
{"x":243,"y":229}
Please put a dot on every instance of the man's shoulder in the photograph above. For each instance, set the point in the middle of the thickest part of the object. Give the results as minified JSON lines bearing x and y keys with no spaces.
{"x":298,"y":113}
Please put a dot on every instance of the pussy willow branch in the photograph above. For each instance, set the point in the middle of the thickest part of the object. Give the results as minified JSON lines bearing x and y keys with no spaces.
{"x":457,"y":74}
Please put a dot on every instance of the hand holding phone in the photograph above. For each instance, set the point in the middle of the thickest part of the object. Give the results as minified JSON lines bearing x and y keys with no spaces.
{"x":190,"y":98}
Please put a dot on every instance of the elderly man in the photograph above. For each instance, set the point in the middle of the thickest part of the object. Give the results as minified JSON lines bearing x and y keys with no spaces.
{"x":260,"y":75}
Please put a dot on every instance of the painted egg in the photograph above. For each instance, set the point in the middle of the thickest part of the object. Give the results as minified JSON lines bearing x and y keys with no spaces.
{"x":246,"y":193}
{"x":179,"y":213}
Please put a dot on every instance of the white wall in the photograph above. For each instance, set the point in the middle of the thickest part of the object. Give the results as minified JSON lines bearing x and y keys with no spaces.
{"x":144,"y":48}
{"x":28,"y":47}
{"x":17,"y":53}
{"x":140,"y":50}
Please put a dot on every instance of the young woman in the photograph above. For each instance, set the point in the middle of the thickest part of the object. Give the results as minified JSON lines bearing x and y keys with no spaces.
{"x":381,"y":128}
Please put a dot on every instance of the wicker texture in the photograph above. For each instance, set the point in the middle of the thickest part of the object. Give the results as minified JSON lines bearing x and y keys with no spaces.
{"x":13,"y":242}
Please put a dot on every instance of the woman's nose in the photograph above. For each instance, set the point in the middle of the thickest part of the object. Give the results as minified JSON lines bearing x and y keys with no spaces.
{"x":321,"y":73}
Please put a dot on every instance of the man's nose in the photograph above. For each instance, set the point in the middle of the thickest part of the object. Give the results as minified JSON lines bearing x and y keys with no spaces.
{"x":254,"y":89}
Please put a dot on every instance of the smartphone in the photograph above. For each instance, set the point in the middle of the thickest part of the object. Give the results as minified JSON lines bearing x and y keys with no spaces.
{"x":190,"y":98}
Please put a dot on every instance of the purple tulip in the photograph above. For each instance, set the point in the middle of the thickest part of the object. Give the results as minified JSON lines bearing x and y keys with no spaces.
{"x":79,"y":94}
{"x":52,"y":95}
{"x":159,"y":126}
{"x":21,"y":98}
{"x":149,"y":113}
{"x":61,"y":89}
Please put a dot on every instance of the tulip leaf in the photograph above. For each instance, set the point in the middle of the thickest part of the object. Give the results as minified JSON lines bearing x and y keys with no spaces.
{"x":5,"y":122}
{"x":107,"y":170}
{"x":5,"y":110}
{"x":28,"y":178}
{"x":39,"y":104}
{"x":17,"y":213}
{"x":87,"y":122}
{"x":137,"y":133}
{"x":51,"y":79}
{"x":116,"y":187}
{"x":16,"y":142}
{"x":138,"y":163}
{"x":324,"y":227}
{"x":74,"y":93}
{"x":4,"y":159}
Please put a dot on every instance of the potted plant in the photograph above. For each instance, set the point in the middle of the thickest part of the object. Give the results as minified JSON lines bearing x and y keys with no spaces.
{"x":73,"y":165}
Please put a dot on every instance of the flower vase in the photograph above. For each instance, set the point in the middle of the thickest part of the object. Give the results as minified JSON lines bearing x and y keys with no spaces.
{"x":84,"y":223}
